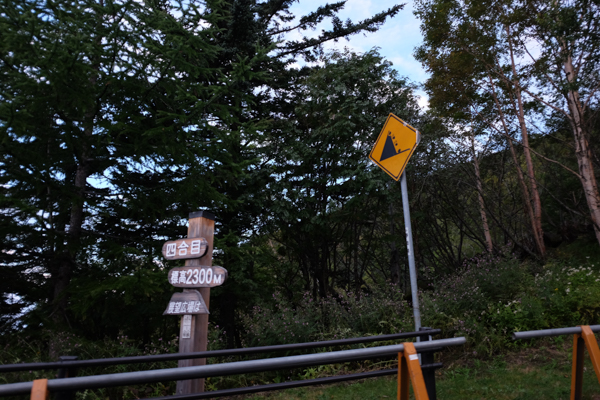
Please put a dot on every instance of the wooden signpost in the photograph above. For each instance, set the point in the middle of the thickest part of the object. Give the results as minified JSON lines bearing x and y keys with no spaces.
{"x":197,"y":277}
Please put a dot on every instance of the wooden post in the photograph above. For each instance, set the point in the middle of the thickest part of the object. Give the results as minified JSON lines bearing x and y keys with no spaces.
{"x":201,"y":224}
{"x":577,"y":367}
{"x":403,"y":378}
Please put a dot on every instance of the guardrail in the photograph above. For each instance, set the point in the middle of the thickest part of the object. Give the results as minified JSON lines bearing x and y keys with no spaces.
{"x":552,"y":332}
{"x":239,"y":367}
{"x":68,"y":365}
{"x":583,"y":337}
{"x":279,"y":386}
{"x":428,"y":368}
{"x":68,"y":362}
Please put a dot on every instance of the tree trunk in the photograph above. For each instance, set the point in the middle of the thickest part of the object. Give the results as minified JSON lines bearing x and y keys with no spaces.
{"x":484,"y":221}
{"x":534,"y":192}
{"x":520,"y":178}
{"x":68,"y":259}
{"x":582,"y":148}
{"x":60,"y":298}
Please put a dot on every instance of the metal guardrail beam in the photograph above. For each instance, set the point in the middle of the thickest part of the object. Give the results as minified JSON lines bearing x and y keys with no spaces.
{"x":277,"y":386}
{"x":207,"y":354}
{"x":205,"y":371}
{"x":551,"y":332}
{"x":288,"y":385}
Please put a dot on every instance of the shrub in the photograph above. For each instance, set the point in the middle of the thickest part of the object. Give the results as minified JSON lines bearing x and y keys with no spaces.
{"x":491,"y":297}
{"x":571,"y":295}
{"x":340,"y":316}
{"x":26,"y":349}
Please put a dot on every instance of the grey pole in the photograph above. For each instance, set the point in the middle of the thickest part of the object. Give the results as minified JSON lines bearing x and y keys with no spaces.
{"x":411,"y":253}
{"x":551,"y":332}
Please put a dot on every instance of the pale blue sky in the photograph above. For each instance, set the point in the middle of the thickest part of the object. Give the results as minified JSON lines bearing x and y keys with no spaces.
{"x":396,"y":39}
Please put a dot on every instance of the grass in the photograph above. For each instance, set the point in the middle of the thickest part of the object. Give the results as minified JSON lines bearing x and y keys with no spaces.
{"x":542,"y":373}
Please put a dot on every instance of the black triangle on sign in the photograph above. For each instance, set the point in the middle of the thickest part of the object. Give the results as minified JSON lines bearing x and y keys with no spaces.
{"x":389,"y":150}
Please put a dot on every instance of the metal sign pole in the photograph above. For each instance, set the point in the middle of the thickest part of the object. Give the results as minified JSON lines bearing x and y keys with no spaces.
{"x":411,"y":253}
{"x":394,"y":146}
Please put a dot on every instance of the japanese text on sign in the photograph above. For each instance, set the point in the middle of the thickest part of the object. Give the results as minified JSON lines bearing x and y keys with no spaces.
{"x":185,"y":248}
{"x":197,"y":276}
{"x":178,"y":307}
{"x":186,"y":331}
{"x":188,"y":302}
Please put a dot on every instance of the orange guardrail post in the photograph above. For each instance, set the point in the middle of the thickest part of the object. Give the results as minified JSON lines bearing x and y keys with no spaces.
{"x":592,"y":347}
{"x":403,"y":377}
{"x":409,"y":371}
{"x":581,"y":341}
{"x":39,"y":390}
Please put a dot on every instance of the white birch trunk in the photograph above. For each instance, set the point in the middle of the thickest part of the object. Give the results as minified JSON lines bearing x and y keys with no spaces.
{"x":534,"y":192}
{"x":520,"y":177}
{"x":582,"y":149}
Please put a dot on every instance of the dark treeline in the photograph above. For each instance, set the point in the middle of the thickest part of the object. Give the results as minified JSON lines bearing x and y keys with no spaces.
{"x":118,"y":118}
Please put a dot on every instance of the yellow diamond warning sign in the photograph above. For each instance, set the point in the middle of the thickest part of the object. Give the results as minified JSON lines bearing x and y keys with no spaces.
{"x":394,"y":146}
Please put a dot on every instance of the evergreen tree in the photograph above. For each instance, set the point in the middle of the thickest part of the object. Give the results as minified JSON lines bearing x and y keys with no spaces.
{"x":111,"y":120}
{"x":247,"y":27}
{"x":117,"y":119}
{"x":327,"y":195}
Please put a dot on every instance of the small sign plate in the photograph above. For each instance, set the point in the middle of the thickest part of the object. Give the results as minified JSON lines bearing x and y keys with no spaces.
{"x":197,"y":276}
{"x":185,"y":248}
{"x":186,"y":303}
{"x":186,"y":331}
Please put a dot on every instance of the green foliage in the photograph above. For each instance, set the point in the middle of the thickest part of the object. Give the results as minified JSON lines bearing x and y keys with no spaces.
{"x":32,"y":349}
{"x":105,"y":145}
{"x":343,"y":315}
{"x":119,"y":118}
{"x":493,"y":297}
{"x":571,"y":294}
{"x":255,"y":31}
{"x":20,"y":348}
{"x":484,"y":70}
{"x":327,"y":194}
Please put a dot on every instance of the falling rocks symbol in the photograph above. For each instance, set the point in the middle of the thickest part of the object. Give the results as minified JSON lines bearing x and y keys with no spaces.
{"x":390,"y":149}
